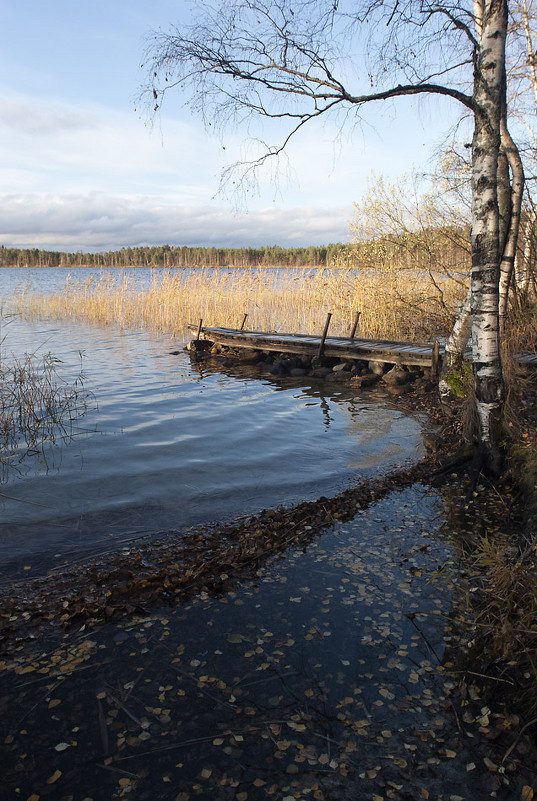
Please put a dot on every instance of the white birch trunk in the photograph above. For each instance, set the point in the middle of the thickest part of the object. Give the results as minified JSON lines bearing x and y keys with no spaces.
{"x":523,"y":263}
{"x":510,"y":242}
{"x":489,"y":97}
{"x":454,"y":349}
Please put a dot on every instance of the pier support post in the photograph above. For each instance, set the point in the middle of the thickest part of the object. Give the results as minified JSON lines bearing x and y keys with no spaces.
{"x":199,"y":329}
{"x":355,"y":324}
{"x":323,"y":338}
{"x":243,"y":321}
{"x":435,"y":359}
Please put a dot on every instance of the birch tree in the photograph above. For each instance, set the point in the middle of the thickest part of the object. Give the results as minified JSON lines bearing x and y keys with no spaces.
{"x":292,"y":62}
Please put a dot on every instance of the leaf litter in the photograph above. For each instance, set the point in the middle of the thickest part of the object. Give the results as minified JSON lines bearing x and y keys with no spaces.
{"x":327,"y":677}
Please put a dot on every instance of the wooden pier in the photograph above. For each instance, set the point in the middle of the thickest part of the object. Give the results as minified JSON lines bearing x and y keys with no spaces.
{"x":426,"y":355}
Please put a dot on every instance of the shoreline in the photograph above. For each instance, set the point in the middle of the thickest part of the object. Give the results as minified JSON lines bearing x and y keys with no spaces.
{"x":212,"y":564}
{"x":171,"y":569}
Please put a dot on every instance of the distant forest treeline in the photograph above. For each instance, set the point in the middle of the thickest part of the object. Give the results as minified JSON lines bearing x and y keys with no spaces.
{"x":171,"y":256}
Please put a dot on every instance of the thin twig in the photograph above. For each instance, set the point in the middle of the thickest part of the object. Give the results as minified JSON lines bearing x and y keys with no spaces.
{"x":519,"y":737}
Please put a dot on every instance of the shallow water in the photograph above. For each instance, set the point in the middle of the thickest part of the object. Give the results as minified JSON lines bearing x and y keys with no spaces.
{"x":168,"y":444}
{"x":322,"y":680}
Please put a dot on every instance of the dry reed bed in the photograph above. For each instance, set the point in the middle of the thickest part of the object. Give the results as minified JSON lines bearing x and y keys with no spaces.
{"x":393,"y":305}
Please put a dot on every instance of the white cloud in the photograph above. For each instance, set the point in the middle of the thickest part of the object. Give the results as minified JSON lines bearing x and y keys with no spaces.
{"x":37,"y":119}
{"x":84,"y":176}
{"x":102,"y":222}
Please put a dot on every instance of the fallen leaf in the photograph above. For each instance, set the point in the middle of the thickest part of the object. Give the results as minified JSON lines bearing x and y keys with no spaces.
{"x":235,"y":639}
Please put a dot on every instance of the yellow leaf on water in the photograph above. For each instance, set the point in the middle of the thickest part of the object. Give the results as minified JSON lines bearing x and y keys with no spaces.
{"x":54,"y":702}
{"x":235,"y":639}
{"x":296,"y":726}
{"x":34,"y":797}
{"x":206,"y":773}
{"x":527,"y":793}
{"x":55,"y":776}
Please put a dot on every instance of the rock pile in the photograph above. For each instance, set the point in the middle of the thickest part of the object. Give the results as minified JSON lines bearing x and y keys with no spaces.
{"x":396,"y":378}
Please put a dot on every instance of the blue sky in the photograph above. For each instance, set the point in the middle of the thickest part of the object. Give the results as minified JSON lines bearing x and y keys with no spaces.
{"x":82,"y":168}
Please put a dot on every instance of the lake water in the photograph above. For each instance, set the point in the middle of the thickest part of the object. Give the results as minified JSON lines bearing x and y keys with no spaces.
{"x":167,"y":444}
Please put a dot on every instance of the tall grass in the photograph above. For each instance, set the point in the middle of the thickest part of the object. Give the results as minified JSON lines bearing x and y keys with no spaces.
{"x":392,"y":305}
{"x":37,"y":407}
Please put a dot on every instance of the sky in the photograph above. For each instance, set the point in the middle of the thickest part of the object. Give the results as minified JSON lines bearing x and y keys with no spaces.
{"x":82,"y":167}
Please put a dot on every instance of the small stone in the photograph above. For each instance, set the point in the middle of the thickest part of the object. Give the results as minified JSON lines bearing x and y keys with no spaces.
{"x":277,"y":369}
{"x":397,"y":376}
{"x":366,"y":380}
{"x":248,"y":355}
{"x":398,"y":389}
{"x":432,"y":442}
{"x":377,"y":368}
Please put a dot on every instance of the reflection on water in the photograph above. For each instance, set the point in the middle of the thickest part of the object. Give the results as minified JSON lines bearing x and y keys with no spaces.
{"x":174,"y":444}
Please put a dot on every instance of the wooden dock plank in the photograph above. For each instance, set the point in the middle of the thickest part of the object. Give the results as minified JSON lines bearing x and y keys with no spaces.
{"x":407,"y":353}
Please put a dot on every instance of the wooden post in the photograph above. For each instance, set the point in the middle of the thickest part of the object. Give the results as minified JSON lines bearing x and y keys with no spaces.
{"x":355,"y":324}
{"x":199,"y":329}
{"x":243,"y":322}
{"x":435,"y":359}
{"x":323,"y":338}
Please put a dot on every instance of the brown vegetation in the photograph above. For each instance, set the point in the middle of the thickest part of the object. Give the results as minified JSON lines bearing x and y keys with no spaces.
{"x":392,"y":305}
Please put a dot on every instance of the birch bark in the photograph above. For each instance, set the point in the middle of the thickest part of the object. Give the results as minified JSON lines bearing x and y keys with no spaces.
{"x":489,"y":98}
{"x":510,"y":242}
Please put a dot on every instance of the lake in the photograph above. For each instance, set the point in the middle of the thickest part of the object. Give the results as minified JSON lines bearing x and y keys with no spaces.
{"x":167,"y":443}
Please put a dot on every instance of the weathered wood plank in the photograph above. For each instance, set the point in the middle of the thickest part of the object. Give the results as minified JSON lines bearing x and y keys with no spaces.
{"x":407,"y":353}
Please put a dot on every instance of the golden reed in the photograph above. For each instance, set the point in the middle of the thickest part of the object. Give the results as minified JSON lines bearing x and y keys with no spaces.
{"x":393,"y":305}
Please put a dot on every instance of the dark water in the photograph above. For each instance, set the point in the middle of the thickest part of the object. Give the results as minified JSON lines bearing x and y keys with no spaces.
{"x":168,"y":444}
{"x":319,"y":680}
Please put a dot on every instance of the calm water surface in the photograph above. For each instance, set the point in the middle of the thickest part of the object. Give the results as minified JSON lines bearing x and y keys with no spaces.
{"x":169,"y":444}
